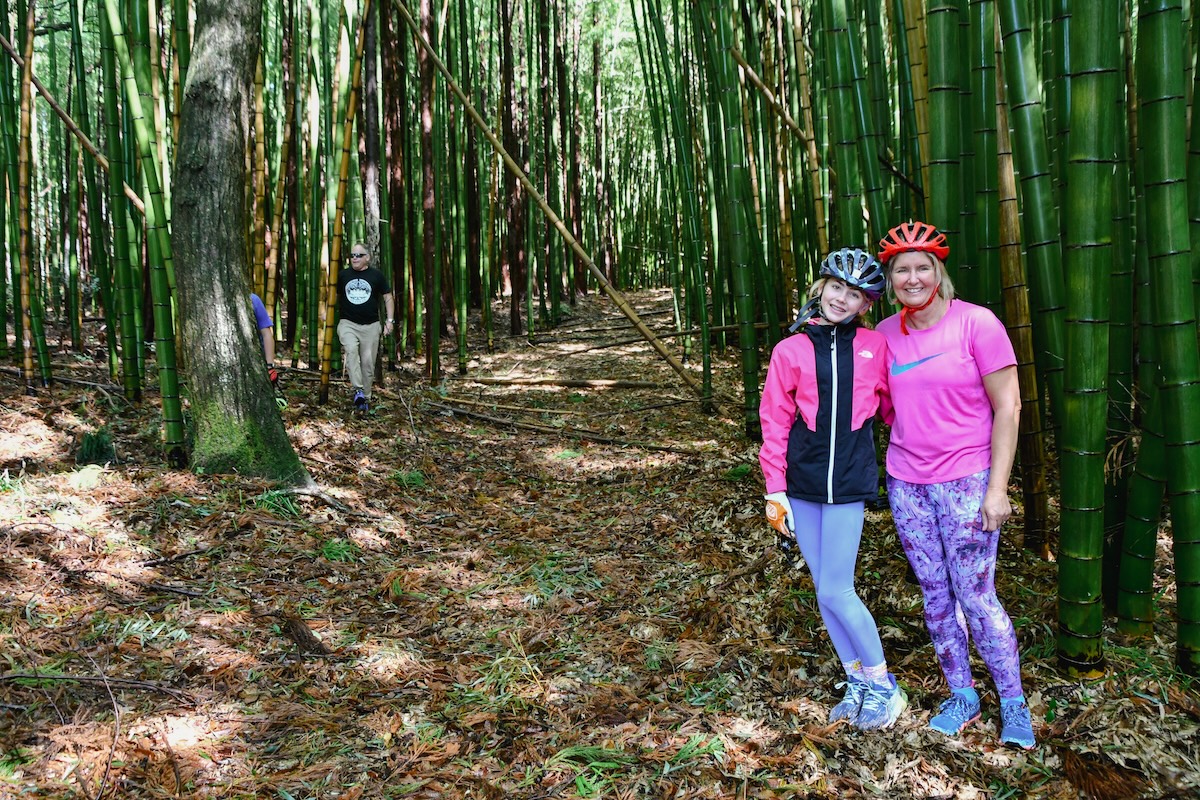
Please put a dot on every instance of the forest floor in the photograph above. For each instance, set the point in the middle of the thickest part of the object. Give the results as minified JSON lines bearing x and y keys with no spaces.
{"x":479,"y":610}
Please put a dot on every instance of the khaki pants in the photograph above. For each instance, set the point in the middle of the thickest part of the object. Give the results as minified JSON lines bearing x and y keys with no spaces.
{"x":359,"y":345}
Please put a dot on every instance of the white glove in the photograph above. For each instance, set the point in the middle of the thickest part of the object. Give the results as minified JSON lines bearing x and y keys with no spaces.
{"x":779,"y":514}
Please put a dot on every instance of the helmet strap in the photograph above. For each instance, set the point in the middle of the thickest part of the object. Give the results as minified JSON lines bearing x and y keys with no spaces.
{"x":904,"y":312}
{"x":809,"y":310}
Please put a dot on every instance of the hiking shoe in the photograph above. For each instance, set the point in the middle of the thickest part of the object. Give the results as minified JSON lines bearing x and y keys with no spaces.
{"x":955,"y":714}
{"x":360,"y":400}
{"x":882,"y":706}
{"x":1016,"y":725}
{"x":849,"y":707}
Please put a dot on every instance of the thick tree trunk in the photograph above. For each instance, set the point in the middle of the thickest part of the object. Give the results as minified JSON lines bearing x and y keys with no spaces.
{"x":235,"y":421}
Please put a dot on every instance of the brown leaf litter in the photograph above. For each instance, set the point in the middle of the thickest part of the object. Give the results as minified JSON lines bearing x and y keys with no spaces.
{"x":479,"y":609}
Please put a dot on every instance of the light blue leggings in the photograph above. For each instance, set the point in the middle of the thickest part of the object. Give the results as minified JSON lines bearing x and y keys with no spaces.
{"x":829,"y":536}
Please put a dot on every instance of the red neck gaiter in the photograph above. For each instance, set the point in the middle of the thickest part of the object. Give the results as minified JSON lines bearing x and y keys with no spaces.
{"x":904,"y":312}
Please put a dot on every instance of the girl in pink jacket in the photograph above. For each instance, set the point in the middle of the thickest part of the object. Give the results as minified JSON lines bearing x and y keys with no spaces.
{"x":823,"y":390}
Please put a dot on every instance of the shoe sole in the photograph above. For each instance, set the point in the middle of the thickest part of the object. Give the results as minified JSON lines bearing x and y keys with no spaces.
{"x":1019,"y":744}
{"x":961,"y":728}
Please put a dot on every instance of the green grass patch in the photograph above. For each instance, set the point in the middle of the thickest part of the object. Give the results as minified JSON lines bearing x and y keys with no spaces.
{"x":410,"y":479}
{"x":11,"y":762}
{"x":594,"y":766}
{"x":148,"y":631}
{"x":736,"y":473}
{"x":693,"y":752}
{"x":281,"y":504}
{"x":8,"y":483}
{"x":340,"y":550}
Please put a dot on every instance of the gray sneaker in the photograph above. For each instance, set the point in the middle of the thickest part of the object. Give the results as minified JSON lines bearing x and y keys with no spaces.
{"x":882,"y":706}
{"x":849,"y":708}
{"x":955,"y":714}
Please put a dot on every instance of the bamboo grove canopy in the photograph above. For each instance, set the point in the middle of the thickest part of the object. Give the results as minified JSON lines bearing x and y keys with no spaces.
{"x":536,"y":150}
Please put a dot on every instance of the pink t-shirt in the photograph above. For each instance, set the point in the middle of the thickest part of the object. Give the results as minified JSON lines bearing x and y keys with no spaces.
{"x":943,"y":427}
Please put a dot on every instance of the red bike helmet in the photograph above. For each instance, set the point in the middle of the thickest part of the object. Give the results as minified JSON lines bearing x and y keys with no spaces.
{"x":919,"y":236}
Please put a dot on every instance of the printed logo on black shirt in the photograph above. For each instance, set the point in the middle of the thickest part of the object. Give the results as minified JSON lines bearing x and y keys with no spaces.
{"x":358,"y":291}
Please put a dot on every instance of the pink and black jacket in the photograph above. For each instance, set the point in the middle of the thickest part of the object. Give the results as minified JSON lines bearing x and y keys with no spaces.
{"x":824,"y":387}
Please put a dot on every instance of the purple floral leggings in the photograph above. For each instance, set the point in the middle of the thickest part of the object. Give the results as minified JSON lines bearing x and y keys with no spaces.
{"x":941,"y":530}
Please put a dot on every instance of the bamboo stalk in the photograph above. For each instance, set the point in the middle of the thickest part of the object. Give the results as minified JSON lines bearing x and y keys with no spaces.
{"x":24,"y":245}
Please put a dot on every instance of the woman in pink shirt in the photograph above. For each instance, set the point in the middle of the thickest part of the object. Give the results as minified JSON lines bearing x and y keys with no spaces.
{"x":957,"y":404}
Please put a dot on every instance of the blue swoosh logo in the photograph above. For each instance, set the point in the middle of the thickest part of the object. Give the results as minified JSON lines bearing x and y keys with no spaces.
{"x":899,"y":368}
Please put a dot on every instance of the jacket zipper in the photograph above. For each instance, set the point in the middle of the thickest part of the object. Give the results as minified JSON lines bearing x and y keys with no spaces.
{"x":833,"y":412}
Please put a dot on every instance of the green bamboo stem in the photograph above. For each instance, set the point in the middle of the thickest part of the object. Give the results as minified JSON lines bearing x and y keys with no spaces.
{"x":1031,"y":441}
{"x":131,"y":377}
{"x":1089,"y":214}
{"x":1040,"y":214}
{"x":1160,"y":94}
{"x":159,"y":246}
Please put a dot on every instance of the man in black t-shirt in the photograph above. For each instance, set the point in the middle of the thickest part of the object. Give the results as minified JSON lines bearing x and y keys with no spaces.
{"x":360,"y":287}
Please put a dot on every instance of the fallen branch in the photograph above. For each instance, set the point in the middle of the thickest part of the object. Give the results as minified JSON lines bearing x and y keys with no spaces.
{"x":664,"y":404}
{"x":160,"y":587}
{"x":319,"y":494}
{"x":127,"y":683}
{"x":579,"y":433}
{"x":155,"y":562}
{"x":753,"y":568}
{"x":567,"y":382}
{"x":524,"y":409}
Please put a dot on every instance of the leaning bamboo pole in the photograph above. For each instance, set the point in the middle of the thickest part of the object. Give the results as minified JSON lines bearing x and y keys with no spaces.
{"x":614,"y":295}
{"x":45,"y":93}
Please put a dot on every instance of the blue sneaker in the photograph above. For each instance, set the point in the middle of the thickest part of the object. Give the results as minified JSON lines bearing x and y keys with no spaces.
{"x":955,"y":714}
{"x":882,"y":706}
{"x":360,"y":401}
{"x":1016,"y":725}
{"x":848,"y":709}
